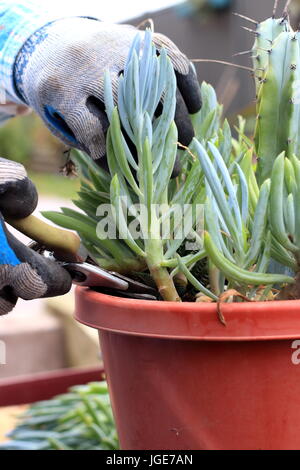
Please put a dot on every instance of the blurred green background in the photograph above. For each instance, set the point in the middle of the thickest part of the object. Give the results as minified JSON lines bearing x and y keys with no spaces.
{"x":27,"y":140}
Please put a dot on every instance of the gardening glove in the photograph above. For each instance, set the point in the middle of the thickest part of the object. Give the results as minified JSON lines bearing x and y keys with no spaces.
{"x":59,"y":73}
{"x":23,"y":272}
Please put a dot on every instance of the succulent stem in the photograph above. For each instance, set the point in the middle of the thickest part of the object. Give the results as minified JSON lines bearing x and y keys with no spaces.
{"x":160,"y":275}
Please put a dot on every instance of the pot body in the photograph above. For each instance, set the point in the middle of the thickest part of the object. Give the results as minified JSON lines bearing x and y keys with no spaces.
{"x":179,"y":379}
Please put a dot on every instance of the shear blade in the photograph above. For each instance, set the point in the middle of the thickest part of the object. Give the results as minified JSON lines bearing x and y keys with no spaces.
{"x":92,"y":276}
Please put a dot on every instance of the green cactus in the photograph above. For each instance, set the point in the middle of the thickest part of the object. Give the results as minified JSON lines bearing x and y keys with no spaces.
{"x":276,"y":57}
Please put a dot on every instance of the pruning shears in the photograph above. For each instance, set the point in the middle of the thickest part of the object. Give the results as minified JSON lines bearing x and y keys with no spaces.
{"x":65,"y":248}
{"x":86,"y":274}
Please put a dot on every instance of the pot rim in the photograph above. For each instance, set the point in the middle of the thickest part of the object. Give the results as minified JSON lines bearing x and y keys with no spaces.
{"x":247,"y":321}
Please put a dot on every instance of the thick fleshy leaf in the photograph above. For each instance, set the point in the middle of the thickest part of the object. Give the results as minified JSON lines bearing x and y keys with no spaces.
{"x":165,"y":169}
{"x":121,"y":217}
{"x":276,"y":206}
{"x":239,"y":275}
{"x":195,"y":282}
{"x":259,"y":225}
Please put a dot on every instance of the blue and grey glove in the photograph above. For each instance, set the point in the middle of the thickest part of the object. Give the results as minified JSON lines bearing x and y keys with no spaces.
{"x":59,"y":73}
{"x":23,"y":272}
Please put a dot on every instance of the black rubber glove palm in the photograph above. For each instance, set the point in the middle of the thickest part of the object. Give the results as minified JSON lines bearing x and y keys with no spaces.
{"x":23,"y":272}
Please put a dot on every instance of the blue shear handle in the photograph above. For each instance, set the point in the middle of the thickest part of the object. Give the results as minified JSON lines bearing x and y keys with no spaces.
{"x":7,"y":255}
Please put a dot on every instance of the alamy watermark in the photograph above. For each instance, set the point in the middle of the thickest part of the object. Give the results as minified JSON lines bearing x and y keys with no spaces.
{"x":2,"y":353}
{"x":158,"y":221}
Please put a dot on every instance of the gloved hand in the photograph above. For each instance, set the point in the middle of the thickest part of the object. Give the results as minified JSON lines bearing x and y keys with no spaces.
{"x":59,"y":73}
{"x":23,"y":272}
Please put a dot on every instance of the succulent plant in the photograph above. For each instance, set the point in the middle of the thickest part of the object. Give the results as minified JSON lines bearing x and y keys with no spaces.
{"x":127,"y":197}
{"x":248,"y":241}
{"x":80,"y":419}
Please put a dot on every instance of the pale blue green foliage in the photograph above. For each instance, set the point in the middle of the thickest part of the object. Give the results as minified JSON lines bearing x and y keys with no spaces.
{"x":238,"y":238}
{"x":284,"y":211}
{"x":236,"y":208}
{"x":250,"y":214}
{"x":207,"y":122}
{"x":143,"y":178}
{"x":81,"y":419}
{"x":140,"y":91}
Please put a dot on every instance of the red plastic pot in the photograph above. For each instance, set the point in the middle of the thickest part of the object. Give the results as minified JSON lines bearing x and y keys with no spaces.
{"x":179,"y":379}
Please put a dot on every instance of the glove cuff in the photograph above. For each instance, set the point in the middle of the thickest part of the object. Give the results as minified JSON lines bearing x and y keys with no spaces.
{"x":52,"y":29}
{"x":21,"y":21}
